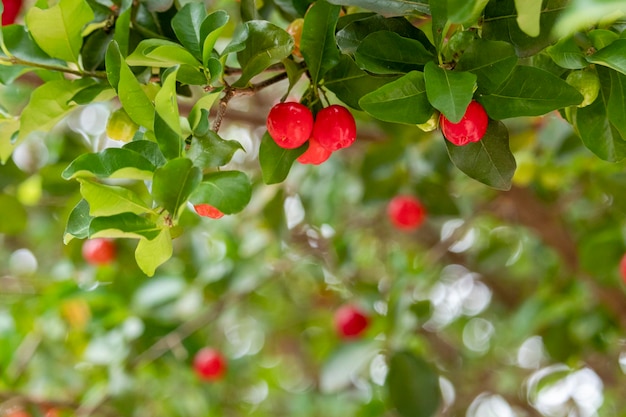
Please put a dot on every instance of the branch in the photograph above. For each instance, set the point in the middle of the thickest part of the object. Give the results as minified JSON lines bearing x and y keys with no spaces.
{"x":13,"y":60}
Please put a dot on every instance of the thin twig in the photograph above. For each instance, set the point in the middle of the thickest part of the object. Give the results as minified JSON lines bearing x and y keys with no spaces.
{"x":13,"y":60}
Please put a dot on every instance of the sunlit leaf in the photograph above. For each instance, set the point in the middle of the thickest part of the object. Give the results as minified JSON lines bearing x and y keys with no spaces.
{"x":151,"y":253}
{"x":107,"y":200}
{"x":173,"y":184}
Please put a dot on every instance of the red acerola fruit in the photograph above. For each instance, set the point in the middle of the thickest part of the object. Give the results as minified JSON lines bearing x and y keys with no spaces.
{"x":315,"y":153}
{"x":290,"y":124}
{"x":207,"y":210}
{"x":99,"y":251}
{"x":11,"y":11}
{"x":334,"y":127}
{"x":350,"y":322}
{"x":471,"y":127}
{"x":406,"y":212}
{"x":622,"y":268}
{"x":209,"y":364}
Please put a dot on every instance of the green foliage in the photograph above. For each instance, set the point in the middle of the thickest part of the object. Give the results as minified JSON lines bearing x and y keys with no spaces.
{"x":520,"y":251}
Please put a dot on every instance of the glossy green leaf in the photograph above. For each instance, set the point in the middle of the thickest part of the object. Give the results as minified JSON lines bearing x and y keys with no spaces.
{"x":529,"y":91}
{"x":152,"y":253}
{"x":8,"y":128}
{"x":107,"y":200}
{"x":500,"y":24}
{"x":412,"y":386}
{"x":528,"y":16}
{"x":124,"y":225}
{"x":318,"y":45}
{"x":63,"y":39}
{"x":248,"y":10}
{"x":148,"y":149}
{"x":491,"y":61}
{"x":78,"y":222}
{"x":170,"y":142}
{"x":465,"y":12}
{"x":110,"y":163}
{"x":161,"y":53}
{"x":21,"y":44}
{"x":201,"y":108}
{"x":122,"y":27}
{"x":613,"y":56}
{"x":388,"y":7}
{"x":567,"y":54}
{"x":228,"y":191}
{"x":173,"y":183}
{"x":265,"y":45}
{"x":275,"y":161}
{"x":166,"y":104}
{"x":386,"y":52}
{"x":186,"y":24}
{"x":211,"y":151}
{"x":113,"y":62}
{"x":440,"y":22}
{"x":238,"y":41}
{"x":350,"y":83}
{"x":616,"y":105}
{"x":401,"y":101}
{"x":133,"y":98}
{"x":489,"y":160}
{"x":450,"y":92}
{"x":13,"y":216}
{"x":49,"y":103}
{"x":210,"y":31}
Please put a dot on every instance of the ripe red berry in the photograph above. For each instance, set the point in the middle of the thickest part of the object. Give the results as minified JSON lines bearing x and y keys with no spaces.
{"x":11,"y":11}
{"x":471,"y":127}
{"x":350,"y":322}
{"x":207,"y":210}
{"x":315,"y":153}
{"x":290,"y":124}
{"x":99,"y":251}
{"x":406,"y":212}
{"x":209,"y":364}
{"x":334,"y":127}
{"x":622,"y":268}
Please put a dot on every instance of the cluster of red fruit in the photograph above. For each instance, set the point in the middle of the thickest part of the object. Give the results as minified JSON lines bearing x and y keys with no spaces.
{"x":292,"y":124}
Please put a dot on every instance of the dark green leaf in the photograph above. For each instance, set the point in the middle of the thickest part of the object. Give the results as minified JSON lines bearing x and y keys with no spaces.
{"x":211,"y":30}
{"x":439,"y":14}
{"x":412,"y":385}
{"x":489,"y":160}
{"x":350,"y":83}
{"x":13,"y":216}
{"x":113,"y":62}
{"x":170,"y":142}
{"x":211,"y":151}
{"x":266,"y":44}
{"x":385,"y":52}
{"x":616,"y":105}
{"x":173,"y":184}
{"x":110,"y":163}
{"x":78,"y":222}
{"x":567,"y":54}
{"x":248,"y":10}
{"x":125,"y":225}
{"x":388,"y":7}
{"x":122,"y":27}
{"x":276,"y":161}
{"x":450,"y":92}
{"x":613,"y":56}
{"x":228,"y":191}
{"x":401,"y":101}
{"x":529,"y":91}
{"x":94,"y":49}
{"x":491,"y":61}
{"x":186,"y":24}
{"x":149,"y":150}
{"x":318,"y":45}
{"x":238,"y":41}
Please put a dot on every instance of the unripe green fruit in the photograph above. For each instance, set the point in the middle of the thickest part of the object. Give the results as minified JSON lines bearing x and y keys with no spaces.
{"x":587,"y":83}
{"x":430,"y":124}
{"x":121,"y":127}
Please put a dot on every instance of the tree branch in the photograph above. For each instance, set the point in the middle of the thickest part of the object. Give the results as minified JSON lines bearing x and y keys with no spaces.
{"x":13,"y":60}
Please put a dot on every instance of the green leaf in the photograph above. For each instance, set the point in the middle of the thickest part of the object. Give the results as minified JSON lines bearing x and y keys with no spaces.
{"x":49,"y":103}
{"x":350,"y":83}
{"x":440,"y":23}
{"x":62,"y":39}
{"x":465,"y":12}
{"x":450,"y":92}
{"x":107,"y":200}
{"x":529,"y":91}
{"x":170,"y":142}
{"x":228,"y":191}
{"x":200,"y":109}
{"x":276,"y":161}
{"x":567,"y":54}
{"x":581,"y":14}
{"x":173,"y":184}
{"x":613,"y":56}
{"x":489,"y":160}
{"x":13,"y":216}
{"x":152,"y":253}
{"x":238,"y":40}
{"x":122,"y":27}
{"x":210,"y":31}
{"x":491,"y":61}
{"x":412,"y":385}
{"x":318,"y":45}
{"x":528,"y":16}
{"x":616,"y":105}
{"x":148,"y":149}
{"x":500,"y":24}
{"x":8,"y":128}
{"x":211,"y":151}
{"x":401,"y":101}
{"x":124,"y":225}
{"x":110,"y":163}
{"x":78,"y":222}
{"x":388,"y":7}
{"x":186,"y":24}
{"x":20,"y":44}
{"x":248,"y":10}
{"x":113,"y":62}
{"x":166,"y":104}
{"x":265,"y":45}
{"x":133,"y":98}
{"x":161,"y":53}
{"x":386,"y":52}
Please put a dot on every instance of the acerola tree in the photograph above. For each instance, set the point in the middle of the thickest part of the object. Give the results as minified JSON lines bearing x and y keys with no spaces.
{"x":454,"y":167}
